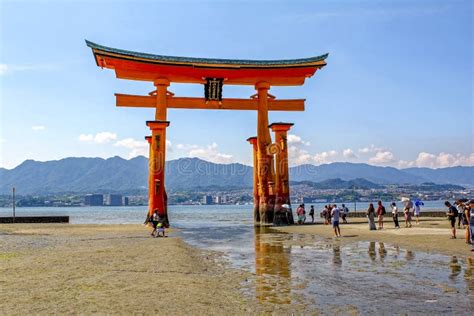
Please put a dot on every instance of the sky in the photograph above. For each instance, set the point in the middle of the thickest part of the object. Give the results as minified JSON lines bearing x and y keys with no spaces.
{"x":396,"y":91}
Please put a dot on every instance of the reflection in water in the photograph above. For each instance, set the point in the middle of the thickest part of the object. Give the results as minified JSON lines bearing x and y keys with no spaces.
{"x":382,"y":251}
{"x":468,"y":274}
{"x":409,"y":255}
{"x":336,"y":259}
{"x":272,"y":267}
{"x":455,"y":268}
{"x":372,"y":254}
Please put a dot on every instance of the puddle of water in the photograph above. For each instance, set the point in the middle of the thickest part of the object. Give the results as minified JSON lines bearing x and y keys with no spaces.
{"x":324,"y":274}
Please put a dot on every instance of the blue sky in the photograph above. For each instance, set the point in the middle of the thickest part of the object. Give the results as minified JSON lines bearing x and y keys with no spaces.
{"x":397,"y":89}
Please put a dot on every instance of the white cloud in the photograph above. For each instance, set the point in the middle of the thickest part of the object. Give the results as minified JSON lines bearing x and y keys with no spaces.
{"x":11,"y":68}
{"x":349,"y":153}
{"x":405,"y":164}
{"x":297,"y":156}
{"x":38,"y":127}
{"x":99,"y":138}
{"x":371,"y":149}
{"x":169,"y":145}
{"x":137,"y":147}
{"x":382,"y":158}
{"x":443,"y":160}
{"x":325,"y":157}
{"x":295,"y":139}
{"x":209,"y":153}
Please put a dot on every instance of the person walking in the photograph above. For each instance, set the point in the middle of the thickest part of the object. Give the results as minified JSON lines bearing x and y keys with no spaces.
{"x":335,"y":213}
{"x":452,"y":215}
{"x":311,"y":213}
{"x":344,"y":213}
{"x":323,"y":214}
{"x":395,"y":214}
{"x":417,"y":211}
{"x":328,"y":214}
{"x":155,"y":218}
{"x":380,"y":213}
{"x":407,"y":214}
{"x":371,"y":215}
{"x":300,"y":213}
{"x":460,"y":208}
{"x":470,"y":226}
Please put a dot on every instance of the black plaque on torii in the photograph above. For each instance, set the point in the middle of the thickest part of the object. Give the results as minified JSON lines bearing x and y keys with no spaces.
{"x":213,"y":89}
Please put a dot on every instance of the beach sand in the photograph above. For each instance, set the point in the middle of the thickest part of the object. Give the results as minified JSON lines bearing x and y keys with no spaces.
{"x":56,"y":268}
{"x":431,"y":235}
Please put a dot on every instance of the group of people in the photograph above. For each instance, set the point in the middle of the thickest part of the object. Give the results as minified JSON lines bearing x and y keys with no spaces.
{"x":380,"y":212}
{"x":331,"y":214}
{"x":463,"y":212}
{"x":327,"y":212}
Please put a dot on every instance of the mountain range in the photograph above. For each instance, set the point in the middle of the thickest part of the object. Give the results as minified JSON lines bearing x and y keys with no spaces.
{"x":90,"y":175}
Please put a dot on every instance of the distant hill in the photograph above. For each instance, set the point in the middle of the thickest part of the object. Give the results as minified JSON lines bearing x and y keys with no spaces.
{"x":339,"y":184}
{"x":120,"y":175}
{"x":348,"y":171}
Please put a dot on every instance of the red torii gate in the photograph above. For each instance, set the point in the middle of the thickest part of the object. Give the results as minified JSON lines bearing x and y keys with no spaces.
{"x":271,"y":183}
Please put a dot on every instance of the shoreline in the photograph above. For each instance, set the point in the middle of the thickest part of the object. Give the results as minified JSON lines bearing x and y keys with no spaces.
{"x":430,"y":236}
{"x":64,"y":268}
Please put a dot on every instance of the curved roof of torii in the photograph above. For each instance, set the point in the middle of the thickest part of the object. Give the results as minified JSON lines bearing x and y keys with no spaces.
{"x":144,"y":66}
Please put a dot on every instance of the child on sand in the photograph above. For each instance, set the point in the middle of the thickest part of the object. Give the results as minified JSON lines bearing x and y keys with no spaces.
{"x":161,"y":230}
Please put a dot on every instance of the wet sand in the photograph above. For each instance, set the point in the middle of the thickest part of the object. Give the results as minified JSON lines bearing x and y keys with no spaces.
{"x":56,"y":268}
{"x":432,"y":235}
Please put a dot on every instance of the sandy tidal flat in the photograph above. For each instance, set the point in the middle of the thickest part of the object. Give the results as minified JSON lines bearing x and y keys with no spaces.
{"x":55,"y":268}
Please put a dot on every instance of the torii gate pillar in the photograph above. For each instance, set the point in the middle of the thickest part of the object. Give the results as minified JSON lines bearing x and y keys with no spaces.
{"x":150,"y":176}
{"x":265,"y":161}
{"x":157,"y":168}
{"x":256,"y":211}
{"x":282,"y":186}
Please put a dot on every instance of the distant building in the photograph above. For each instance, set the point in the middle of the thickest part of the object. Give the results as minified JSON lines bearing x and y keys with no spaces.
{"x":113,"y":200}
{"x":313,"y":200}
{"x":217,"y":199}
{"x":94,"y":199}
{"x":224,"y":199}
{"x":125,"y":201}
{"x":207,"y":199}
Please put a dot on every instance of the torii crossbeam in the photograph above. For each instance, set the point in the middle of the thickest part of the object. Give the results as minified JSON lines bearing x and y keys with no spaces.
{"x":271,"y":183}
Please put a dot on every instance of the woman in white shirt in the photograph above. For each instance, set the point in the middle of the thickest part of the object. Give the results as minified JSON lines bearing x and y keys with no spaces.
{"x":395,"y":215}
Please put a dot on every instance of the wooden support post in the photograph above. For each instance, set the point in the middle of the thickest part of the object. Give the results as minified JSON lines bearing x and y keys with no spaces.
{"x":150,"y":175}
{"x":282,"y":186}
{"x":161,"y":111}
{"x":157,"y":168}
{"x":264,"y":159}
{"x":256,"y":213}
